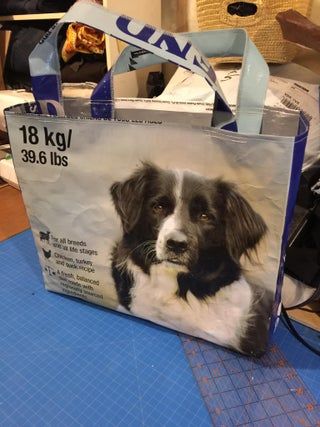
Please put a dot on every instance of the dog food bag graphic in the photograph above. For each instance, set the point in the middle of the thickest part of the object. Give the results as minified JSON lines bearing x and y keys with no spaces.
{"x":175,"y":221}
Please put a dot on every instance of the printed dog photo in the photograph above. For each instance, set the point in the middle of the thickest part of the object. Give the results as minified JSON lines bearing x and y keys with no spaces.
{"x":178,"y":260}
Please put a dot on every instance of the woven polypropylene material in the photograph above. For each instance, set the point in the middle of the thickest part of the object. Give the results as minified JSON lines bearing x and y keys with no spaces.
{"x":262,"y":27}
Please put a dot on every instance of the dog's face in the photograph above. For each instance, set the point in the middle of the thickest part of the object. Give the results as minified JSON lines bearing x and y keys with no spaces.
{"x":184,"y":216}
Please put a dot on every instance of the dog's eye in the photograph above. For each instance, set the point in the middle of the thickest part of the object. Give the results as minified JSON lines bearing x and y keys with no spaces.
{"x":158,"y":207}
{"x":203,"y":216}
{"x":161,"y":206}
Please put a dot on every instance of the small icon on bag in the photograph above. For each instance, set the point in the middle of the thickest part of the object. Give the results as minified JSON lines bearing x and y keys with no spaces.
{"x":44,"y":236}
{"x":50,"y":271}
{"x":316,"y":188}
{"x":47,"y":254}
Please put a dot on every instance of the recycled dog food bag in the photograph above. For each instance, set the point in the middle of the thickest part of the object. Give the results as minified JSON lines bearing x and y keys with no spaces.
{"x":181,"y":222}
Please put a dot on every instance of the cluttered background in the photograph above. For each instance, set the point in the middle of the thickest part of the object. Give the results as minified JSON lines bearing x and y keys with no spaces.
{"x":54,"y":369}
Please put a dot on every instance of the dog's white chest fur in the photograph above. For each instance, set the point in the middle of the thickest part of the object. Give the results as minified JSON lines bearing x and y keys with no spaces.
{"x":221,"y":318}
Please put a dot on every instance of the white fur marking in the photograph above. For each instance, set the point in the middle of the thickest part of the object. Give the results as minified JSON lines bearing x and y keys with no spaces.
{"x":178,"y":188}
{"x":221,"y":318}
{"x":171,"y":227}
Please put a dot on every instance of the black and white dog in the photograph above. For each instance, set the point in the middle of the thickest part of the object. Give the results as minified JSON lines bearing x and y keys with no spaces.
{"x":178,"y":261}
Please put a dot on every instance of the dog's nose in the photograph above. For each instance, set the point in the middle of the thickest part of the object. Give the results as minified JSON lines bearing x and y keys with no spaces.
{"x":176,"y":246}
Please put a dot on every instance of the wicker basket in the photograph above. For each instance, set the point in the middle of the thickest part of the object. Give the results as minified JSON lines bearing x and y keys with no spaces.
{"x":262,"y":26}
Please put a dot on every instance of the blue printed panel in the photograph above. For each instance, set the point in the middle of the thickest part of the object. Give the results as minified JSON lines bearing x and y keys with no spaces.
{"x":67,"y":363}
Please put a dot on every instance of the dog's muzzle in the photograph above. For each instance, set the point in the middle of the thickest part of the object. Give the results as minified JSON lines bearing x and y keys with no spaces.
{"x":173,"y":247}
{"x":176,"y":247}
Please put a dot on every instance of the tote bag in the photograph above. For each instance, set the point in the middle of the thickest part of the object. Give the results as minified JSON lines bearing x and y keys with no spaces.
{"x":180,"y":224}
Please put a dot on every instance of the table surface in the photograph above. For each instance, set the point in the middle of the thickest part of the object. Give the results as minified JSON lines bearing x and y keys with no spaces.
{"x":64,"y":362}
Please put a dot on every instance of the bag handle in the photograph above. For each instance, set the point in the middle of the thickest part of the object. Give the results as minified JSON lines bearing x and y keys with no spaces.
{"x":45,"y":65}
{"x":217,"y":43}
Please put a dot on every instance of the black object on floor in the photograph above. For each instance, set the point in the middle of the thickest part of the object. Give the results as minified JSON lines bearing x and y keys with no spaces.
{"x":16,"y":7}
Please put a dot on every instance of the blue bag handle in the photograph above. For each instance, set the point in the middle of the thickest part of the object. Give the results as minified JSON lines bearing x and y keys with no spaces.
{"x":45,"y":65}
{"x":254,"y":74}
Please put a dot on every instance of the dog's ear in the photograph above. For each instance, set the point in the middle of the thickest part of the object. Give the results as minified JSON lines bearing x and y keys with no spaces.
{"x":244,"y":227}
{"x":128,"y":196}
